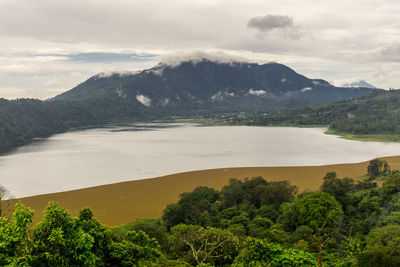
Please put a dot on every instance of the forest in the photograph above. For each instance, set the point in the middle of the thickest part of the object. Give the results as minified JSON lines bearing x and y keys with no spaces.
{"x":376,"y":113}
{"x":22,"y":120}
{"x":249,"y":222}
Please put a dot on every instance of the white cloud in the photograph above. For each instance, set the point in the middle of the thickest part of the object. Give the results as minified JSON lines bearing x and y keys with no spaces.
{"x":256,"y":92}
{"x":197,"y":56}
{"x":306,"y":89}
{"x":390,"y":53}
{"x":144,"y":100}
{"x":222,"y":95}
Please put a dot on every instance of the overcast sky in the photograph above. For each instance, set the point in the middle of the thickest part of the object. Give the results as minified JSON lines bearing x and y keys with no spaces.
{"x":49,"y":46}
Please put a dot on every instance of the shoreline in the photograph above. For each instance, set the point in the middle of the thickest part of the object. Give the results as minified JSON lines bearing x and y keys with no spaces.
{"x":385,"y":138}
{"x":120,"y":203}
{"x":382,"y":137}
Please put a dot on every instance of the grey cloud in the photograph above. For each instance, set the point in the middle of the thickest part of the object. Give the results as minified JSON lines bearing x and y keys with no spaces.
{"x":89,"y":57}
{"x":333,"y":42}
{"x":270,"y":22}
{"x":174,"y":59}
{"x":390,"y":53}
{"x":96,"y":57}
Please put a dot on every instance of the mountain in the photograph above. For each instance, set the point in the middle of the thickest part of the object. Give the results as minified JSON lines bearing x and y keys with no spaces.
{"x":359,"y":84}
{"x":208,"y":86}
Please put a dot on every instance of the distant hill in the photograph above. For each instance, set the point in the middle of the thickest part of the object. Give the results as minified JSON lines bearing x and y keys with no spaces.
{"x":359,"y":84}
{"x":207,"y":86}
{"x":376,"y":113}
{"x":187,"y":89}
{"x":22,"y":120}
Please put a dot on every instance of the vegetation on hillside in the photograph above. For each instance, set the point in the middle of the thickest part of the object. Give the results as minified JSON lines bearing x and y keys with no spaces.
{"x":188,"y":90}
{"x":22,"y":120}
{"x":209,"y":87}
{"x":376,"y":115}
{"x":250,"y":222}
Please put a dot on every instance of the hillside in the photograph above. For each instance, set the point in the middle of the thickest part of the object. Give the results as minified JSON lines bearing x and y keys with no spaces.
{"x":376,"y":113}
{"x":22,"y":120}
{"x":210,"y":87}
{"x":188,"y":89}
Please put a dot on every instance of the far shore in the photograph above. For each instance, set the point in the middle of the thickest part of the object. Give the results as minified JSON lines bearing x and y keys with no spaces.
{"x":120,"y":203}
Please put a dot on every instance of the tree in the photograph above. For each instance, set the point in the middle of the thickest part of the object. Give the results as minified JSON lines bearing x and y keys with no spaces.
{"x":317,"y":210}
{"x":190,"y":205}
{"x":382,"y":248}
{"x":15,"y":246}
{"x":373,"y":167}
{"x":339,"y":188}
{"x":58,"y":240}
{"x":276,"y":193}
{"x":102,"y":237}
{"x":257,"y":252}
{"x":256,"y":192}
{"x":154,"y":228}
{"x":137,"y":249}
{"x":209,"y":244}
{"x":377,"y":167}
{"x":392,"y":184}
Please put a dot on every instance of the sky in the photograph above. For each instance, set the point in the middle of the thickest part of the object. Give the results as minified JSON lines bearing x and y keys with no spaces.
{"x":50,"y":46}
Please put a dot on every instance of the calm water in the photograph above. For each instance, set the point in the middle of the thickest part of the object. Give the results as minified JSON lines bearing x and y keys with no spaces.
{"x":108,"y":155}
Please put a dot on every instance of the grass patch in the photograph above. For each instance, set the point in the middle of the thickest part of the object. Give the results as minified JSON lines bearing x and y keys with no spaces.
{"x":366,"y":137}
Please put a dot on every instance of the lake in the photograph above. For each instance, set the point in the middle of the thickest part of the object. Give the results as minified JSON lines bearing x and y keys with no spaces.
{"x":100,"y":156}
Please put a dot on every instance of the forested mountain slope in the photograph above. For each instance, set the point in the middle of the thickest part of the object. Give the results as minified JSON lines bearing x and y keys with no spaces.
{"x":186,"y":90}
{"x":211,"y":87}
{"x":376,"y":113}
{"x":24,"y":119}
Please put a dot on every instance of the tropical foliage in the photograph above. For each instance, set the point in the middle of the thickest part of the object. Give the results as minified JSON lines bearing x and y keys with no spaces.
{"x":249,"y":222}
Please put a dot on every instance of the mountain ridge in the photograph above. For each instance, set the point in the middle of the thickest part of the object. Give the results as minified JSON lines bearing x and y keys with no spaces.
{"x":204,"y":84}
{"x":359,"y":84}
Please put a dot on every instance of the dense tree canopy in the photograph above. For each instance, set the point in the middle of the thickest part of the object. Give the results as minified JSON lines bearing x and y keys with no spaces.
{"x":375,"y":113}
{"x":22,"y":120}
{"x":249,"y":222}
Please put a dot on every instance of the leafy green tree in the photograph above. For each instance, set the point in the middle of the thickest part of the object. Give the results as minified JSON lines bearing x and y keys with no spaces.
{"x":102,"y":237}
{"x":377,"y":167}
{"x":256,"y":192}
{"x":392,"y":218}
{"x":238,"y":192}
{"x":154,"y":228}
{"x":392,"y":184}
{"x":15,"y":246}
{"x":258,"y":226}
{"x":339,"y":188}
{"x":137,"y":249}
{"x":190,"y":205}
{"x":57,"y":240}
{"x":382,"y":248}
{"x":276,"y":193}
{"x":317,"y":210}
{"x":373,"y":167}
{"x":268,"y":211}
{"x":200,"y":245}
{"x":314,"y":210}
{"x":257,"y":252}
